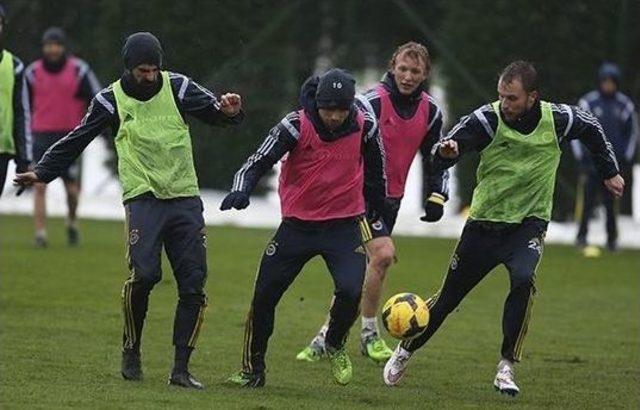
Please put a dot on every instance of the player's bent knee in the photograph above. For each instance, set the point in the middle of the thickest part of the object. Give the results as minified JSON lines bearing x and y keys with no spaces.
{"x":192,"y":285}
{"x":147,"y":278}
{"x":149,"y":281}
{"x":195,"y":299}
{"x":522,"y":279}
{"x":382,"y":254}
{"x":351,"y":294}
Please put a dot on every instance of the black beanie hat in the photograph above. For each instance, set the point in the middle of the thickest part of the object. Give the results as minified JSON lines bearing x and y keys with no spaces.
{"x":54,"y":35}
{"x":141,"y":48}
{"x":336,"y":89}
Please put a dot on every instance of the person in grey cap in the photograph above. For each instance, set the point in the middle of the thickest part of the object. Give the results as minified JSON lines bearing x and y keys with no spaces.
{"x":60,"y":87}
{"x":146,"y":108}
{"x":332,"y":173}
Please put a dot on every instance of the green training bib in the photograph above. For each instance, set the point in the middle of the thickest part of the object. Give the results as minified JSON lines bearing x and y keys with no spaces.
{"x":154,"y":146}
{"x":7,"y":83}
{"x":517,"y":172}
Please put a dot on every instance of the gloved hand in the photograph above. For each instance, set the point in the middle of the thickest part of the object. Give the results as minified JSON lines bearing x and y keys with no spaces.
{"x":433,"y":208}
{"x":235,"y":199}
{"x":22,"y":166}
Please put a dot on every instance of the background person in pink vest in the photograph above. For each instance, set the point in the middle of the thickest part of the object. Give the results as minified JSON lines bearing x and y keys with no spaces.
{"x":334,"y":162}
{"x":61,"y":87}
{"x":409,"y":121}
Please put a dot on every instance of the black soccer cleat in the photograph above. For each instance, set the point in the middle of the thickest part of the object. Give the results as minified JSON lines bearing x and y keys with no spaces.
{"x":40,"y":242}
{"x":249,"y":380}
{"x":131,"y":365}
{"x":184,"y":379}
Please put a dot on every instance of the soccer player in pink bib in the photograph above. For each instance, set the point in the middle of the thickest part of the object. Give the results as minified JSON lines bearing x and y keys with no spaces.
{"x":409,"y":121}
{"x":334,"y":163}
{"x":61,"y":87}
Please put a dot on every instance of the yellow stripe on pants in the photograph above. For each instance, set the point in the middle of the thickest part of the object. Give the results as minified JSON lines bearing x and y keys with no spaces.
{"x":196,"y":330}
{"x":517,"y":350}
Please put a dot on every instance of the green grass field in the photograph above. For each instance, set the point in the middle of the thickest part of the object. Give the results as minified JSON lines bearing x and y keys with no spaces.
{"x":61,"y":330}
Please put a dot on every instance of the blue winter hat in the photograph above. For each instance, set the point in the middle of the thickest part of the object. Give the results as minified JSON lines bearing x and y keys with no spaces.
{"x":609,"y":70}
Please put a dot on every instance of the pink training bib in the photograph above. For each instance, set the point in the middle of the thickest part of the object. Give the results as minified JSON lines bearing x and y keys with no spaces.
{"x":56,"y":107}
{"x":401,"y":138}
{"x":323,"y":180}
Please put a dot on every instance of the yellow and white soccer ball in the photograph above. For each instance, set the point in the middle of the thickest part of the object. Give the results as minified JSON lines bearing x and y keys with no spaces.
{"x":405,"y":315}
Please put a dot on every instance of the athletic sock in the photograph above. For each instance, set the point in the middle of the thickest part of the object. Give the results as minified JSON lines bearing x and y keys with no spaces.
{"x":319,"y":339}
{"x":505,"y":363}
{"x":369,"y":326}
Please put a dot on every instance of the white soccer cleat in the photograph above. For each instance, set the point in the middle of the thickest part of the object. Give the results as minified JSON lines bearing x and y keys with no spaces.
{"x":396,"y":366}
{"x":505,"y":381}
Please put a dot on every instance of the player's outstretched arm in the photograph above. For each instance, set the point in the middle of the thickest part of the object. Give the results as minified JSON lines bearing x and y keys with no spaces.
{"x":281,"y":139}
{"x":473,"y":133}
{"x":436,"y":181}
{"x":586,"y":128}
{"x":202,"y":103}
{"x":61,"y":154}
{"x":375,"y":179}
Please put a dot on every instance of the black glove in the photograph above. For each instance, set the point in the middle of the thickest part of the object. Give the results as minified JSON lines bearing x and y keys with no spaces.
{"x":21,"y":166}
{"x":433,"y":208}
{"x":235,"y":199}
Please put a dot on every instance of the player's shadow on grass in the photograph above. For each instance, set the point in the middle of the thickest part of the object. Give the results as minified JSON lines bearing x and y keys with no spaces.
{"x":352,"y":394}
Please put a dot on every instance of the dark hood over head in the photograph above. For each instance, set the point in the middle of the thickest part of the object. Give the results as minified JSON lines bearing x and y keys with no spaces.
{"x":59,"y":36}
{"x":609,"y":70}
{"x":308,"y":101}
{"x":336,"y":89}
{"x":54,"y":35}
{"x":142,"y":48}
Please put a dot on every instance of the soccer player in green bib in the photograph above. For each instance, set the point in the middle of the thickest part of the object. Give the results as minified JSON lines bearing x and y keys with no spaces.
{"x":519,"y":139}
{"x":15,"y":135}
{"x":146,"y":108}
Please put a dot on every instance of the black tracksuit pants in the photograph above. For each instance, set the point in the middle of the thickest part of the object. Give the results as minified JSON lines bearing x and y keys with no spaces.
{"x":593,"y":188}
{"x":339,"y":243}
{"x":4,"y":164}
{"x":178,"y":226}
{"x":482,"y":247}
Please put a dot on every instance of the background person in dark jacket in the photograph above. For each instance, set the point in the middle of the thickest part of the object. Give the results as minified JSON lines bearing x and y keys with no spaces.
{"x":616,"y":112}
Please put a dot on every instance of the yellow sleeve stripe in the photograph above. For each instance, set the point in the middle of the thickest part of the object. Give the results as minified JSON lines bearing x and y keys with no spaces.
{"x":436,"y":198}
